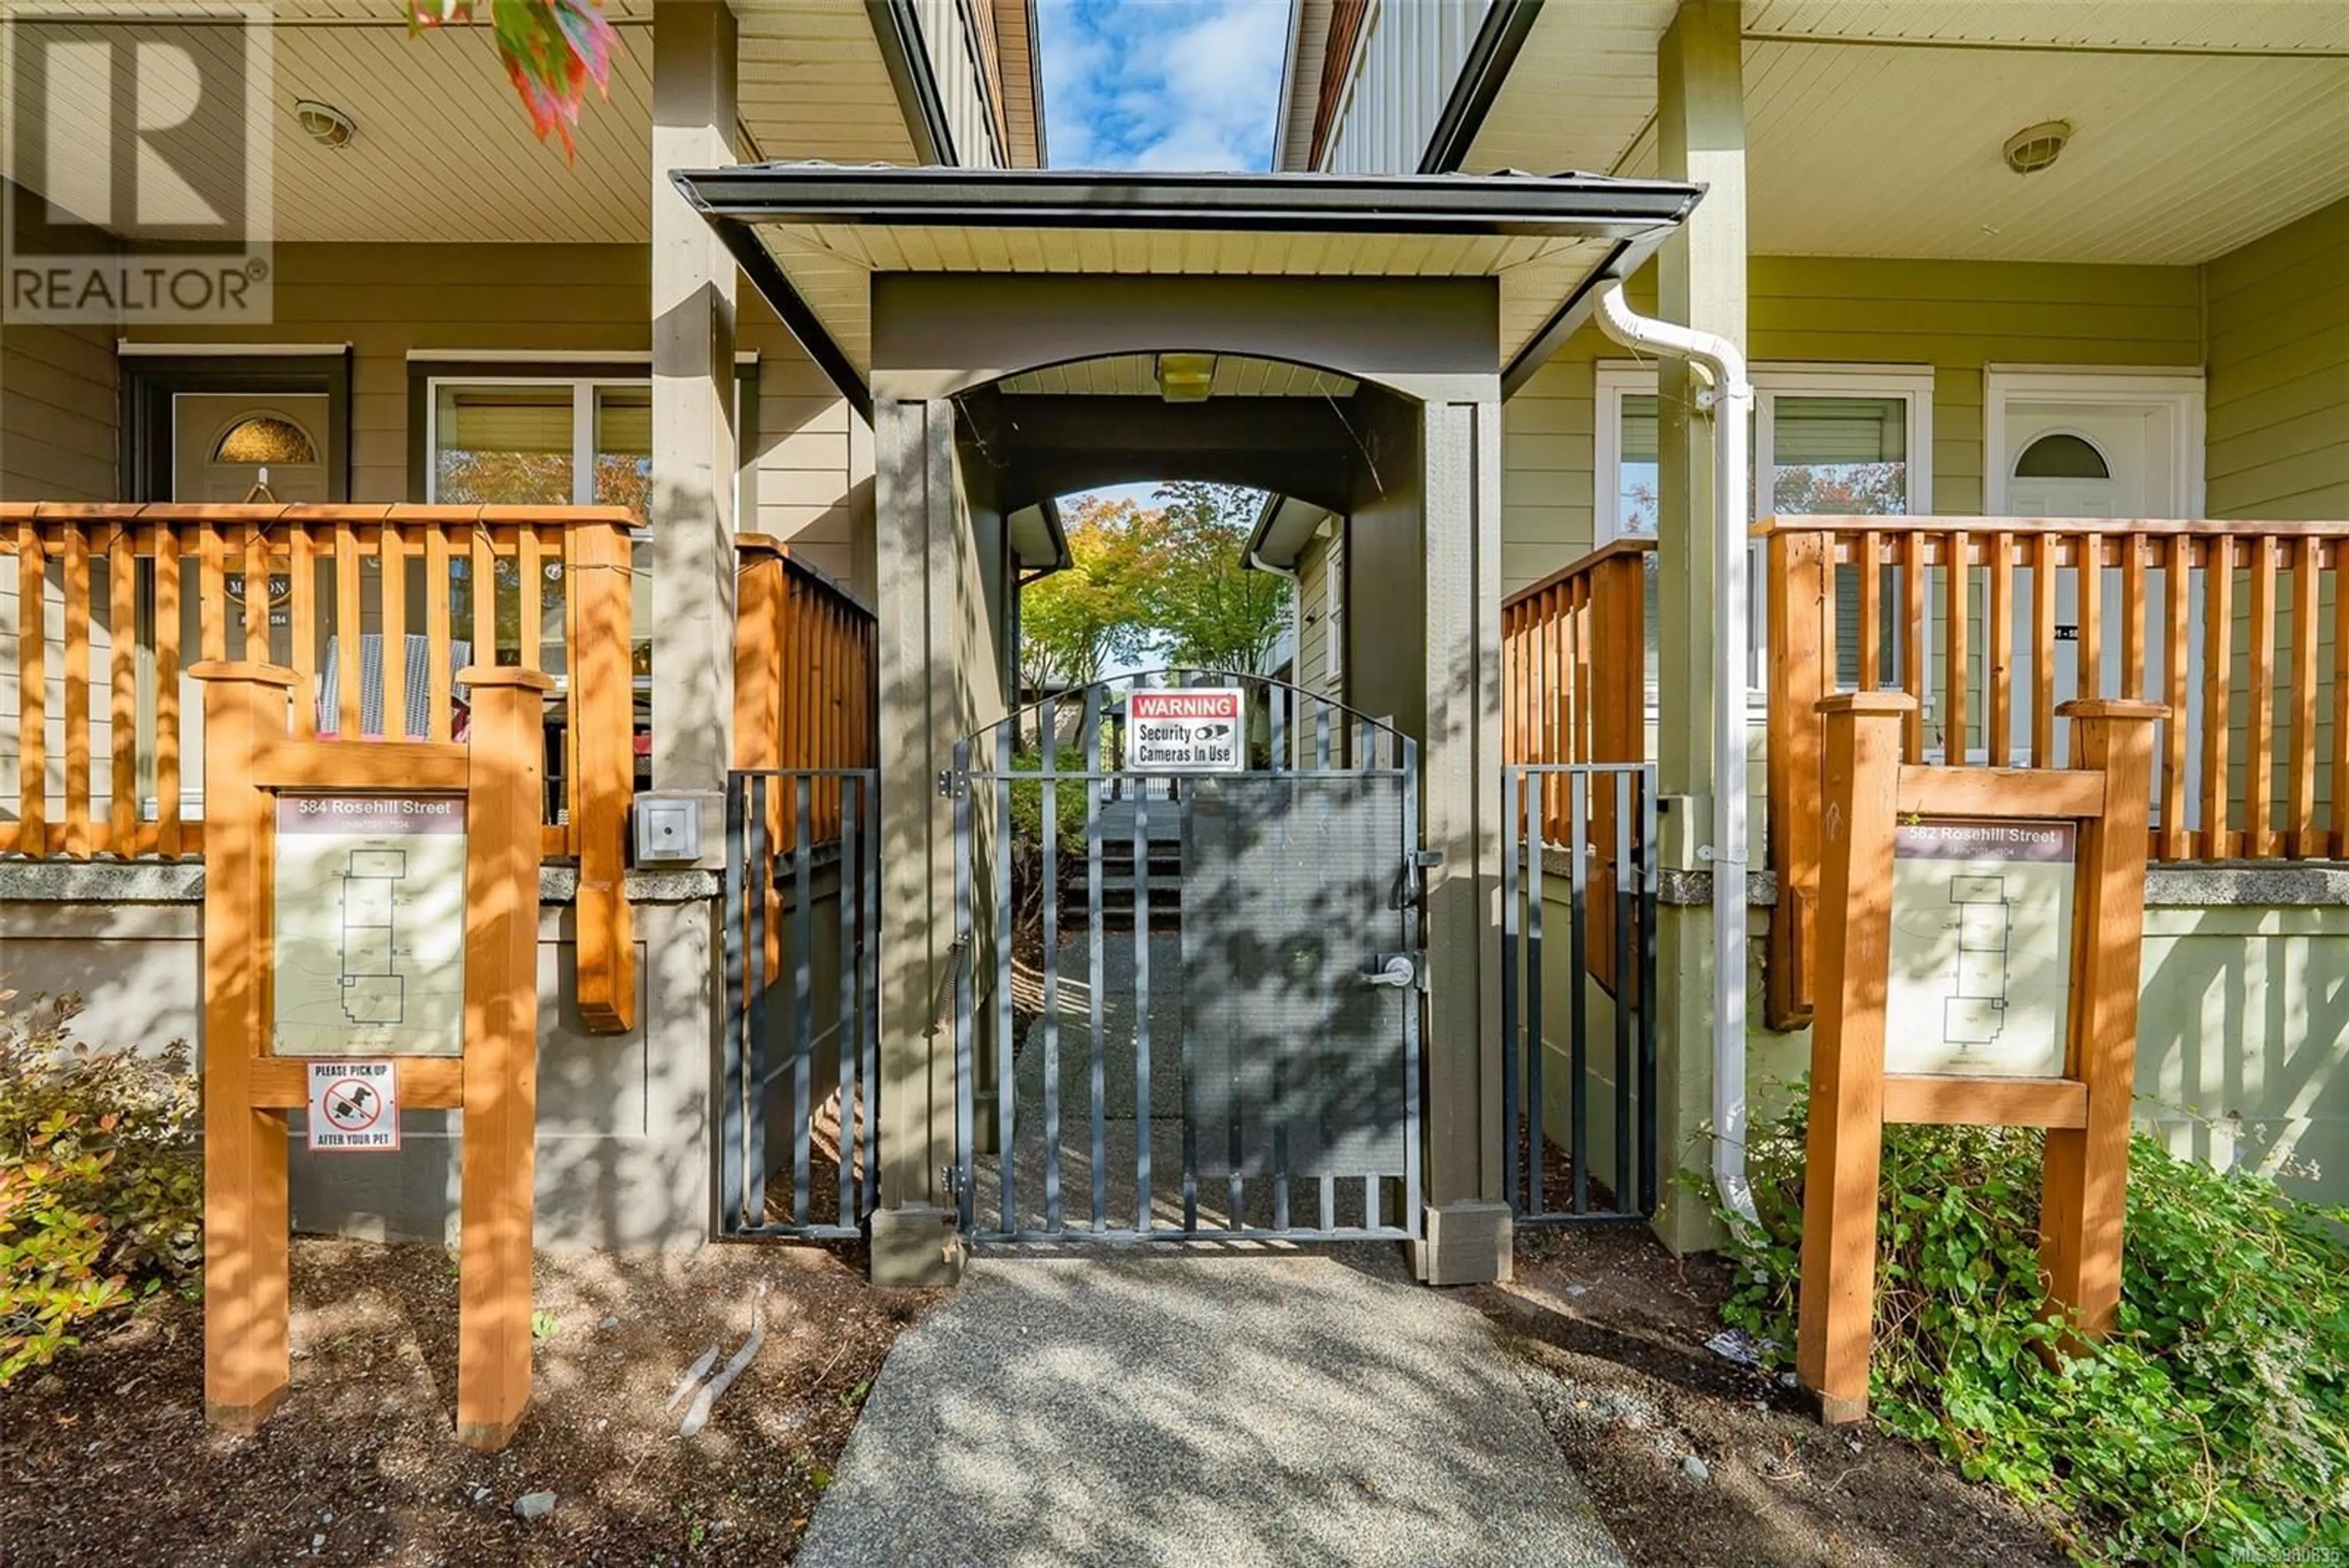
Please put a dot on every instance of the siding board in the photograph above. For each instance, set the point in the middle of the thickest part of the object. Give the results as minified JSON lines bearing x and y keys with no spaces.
{"x":2279,"y":373}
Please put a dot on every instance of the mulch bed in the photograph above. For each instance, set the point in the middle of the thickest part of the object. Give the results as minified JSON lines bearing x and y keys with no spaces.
{"x":1613,"y":1330}
{"x":105,"y":1459}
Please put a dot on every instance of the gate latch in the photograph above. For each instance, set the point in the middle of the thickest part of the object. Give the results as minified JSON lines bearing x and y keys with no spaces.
{"x":1414,"y":885}
{"x":1402,"y":970}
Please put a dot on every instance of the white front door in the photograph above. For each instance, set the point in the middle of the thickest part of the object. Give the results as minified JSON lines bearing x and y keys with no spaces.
{"x":2081,"y":453}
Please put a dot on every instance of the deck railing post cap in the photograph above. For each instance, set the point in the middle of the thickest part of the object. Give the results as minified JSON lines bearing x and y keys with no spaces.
{"x":1868,"y":704}
{"x":251,"y":670}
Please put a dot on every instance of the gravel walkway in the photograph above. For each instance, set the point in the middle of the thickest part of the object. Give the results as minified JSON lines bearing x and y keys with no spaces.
{"x":1230,"y":1407}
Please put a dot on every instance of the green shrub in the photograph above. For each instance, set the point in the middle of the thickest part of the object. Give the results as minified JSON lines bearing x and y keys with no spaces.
{"x":2211,"y":1426}
{"x":101,"y":1181}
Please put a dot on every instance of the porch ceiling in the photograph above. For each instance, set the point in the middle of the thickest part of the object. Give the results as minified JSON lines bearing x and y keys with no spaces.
{"x":1136,"y":376}
{"x":814,"y":236}
{"x":1876,"y":130}
{"x":444,"y":153}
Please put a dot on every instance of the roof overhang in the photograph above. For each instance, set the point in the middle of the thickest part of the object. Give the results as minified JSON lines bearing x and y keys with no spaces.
{"x":812,"y":236}
{"x":1284,"y":527}
{"x":1039,"y":542}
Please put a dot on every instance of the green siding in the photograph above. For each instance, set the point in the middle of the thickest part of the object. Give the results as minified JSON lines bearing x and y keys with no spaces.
{"x":2278,"y":372}
{"x":1957,"y":316}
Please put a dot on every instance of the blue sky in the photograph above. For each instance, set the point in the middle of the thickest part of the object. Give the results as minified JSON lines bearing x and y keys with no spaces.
{"x":1162,"y":84}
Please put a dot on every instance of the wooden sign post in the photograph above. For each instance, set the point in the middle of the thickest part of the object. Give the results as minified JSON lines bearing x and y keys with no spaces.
{"x":2086,"y":1110}
{"x":249,"y":758}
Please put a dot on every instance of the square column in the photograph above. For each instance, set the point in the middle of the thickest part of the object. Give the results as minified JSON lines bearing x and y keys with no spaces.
{"x":1468,"y":1228}
{"x":924,"y":571}
{"x":1700,"y":278}
{"x":694,"y":457}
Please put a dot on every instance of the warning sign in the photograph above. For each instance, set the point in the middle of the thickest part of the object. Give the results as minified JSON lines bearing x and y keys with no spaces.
{"x":353,"y":1105}
{"x":1982,"y":946}
{"x":1196,"y":730}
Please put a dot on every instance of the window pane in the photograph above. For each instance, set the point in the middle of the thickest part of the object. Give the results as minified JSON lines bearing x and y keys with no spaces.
{"x":1638,"y":477}
{"x":1839,"y":455}
{"x":624,"y":449}
{"x":503,"y":445}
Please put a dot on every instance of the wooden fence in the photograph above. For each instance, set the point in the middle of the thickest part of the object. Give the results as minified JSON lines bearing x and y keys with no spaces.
{"x":1575,"y":689}
{"x":803,"y":674}
{"x":1989,"y":623}
{"x":374,"y":609}
{"x":1574,"y":664}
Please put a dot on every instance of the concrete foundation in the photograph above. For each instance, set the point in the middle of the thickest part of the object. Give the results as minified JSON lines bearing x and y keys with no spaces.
{"x":1465,"y":1244}
{"x":624,"y":1120}
{"x":918,"y":1247}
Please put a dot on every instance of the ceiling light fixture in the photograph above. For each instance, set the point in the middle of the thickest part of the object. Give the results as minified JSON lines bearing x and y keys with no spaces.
{"x":1185,"y":377}
{"x":325,"y":124}
{"x":2034,"y":147}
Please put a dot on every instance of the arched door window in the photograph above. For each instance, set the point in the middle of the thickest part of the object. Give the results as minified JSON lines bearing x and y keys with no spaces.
{"x":264,"y":439}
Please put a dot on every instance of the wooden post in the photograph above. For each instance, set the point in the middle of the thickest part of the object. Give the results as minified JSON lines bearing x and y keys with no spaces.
{"x":1847,"y":1121}
{"x":499,"y":1168}
{"x":1801,"y":569}
{"x":2087,"y":1171}
{"x":245,"y":1219}
{"x":603,"y":730}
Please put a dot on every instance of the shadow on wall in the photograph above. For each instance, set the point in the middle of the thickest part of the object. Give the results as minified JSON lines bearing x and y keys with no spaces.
{"x":2243,"y":1041}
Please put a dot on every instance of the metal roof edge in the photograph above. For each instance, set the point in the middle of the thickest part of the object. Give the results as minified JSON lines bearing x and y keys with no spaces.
{"x":1567,"y":319}
{"x":1490,"y":55}
{"x":1574,"y":204}
{"x":799,"y":318}
{"x":898,"y":31}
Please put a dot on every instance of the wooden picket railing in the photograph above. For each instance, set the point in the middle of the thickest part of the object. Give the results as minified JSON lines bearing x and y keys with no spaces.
{"x":1574,"y":690}
{"x":374,"y":608}
{"x":1574,"y":664}
{"x":2229,"y":625}
{"x":803,"y":674}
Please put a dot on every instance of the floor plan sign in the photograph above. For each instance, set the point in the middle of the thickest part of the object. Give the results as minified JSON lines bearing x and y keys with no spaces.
{"x":370,"y":925}
{"x":1982,"y":946}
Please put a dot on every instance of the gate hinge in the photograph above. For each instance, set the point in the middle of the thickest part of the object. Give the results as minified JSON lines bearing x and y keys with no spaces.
{"x":950,"y":1174}
{"x":950,"y":784}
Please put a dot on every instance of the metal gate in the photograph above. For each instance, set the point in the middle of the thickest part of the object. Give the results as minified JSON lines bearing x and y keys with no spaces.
{"x":1578,"y":1026}
{"x":798,"y":1134}
{"x":1189,"y":1005}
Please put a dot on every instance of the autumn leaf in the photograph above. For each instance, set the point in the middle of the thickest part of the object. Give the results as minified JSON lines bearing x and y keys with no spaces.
{"x":552,"y":49}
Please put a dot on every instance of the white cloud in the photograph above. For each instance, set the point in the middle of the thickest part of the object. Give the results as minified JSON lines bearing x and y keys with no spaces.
{"x":1162,"y":84}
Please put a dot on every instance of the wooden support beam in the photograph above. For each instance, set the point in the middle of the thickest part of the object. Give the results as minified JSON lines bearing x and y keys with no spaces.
{"x":2086,"y":1177}
{"x":2001,"y":791}
{"x":246,"y":1353}
{"x":1962,"y":1099}
{"x":501,"y":1060}
{"x":1847,"y":1117}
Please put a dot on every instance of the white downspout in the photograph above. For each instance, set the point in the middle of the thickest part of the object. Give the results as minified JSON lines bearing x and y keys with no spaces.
{"x":1731,"y":485}
{"x":1296,"y":616}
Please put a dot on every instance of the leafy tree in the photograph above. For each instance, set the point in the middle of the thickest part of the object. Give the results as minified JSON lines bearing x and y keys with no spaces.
{"x":1196,"y":589}
{"x":1170,"y":578}
{"x":1073,"y":623}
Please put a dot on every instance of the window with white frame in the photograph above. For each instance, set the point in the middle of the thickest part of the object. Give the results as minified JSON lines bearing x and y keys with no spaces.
{"x":1845,"y":439}
{"x":552,"y":440}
